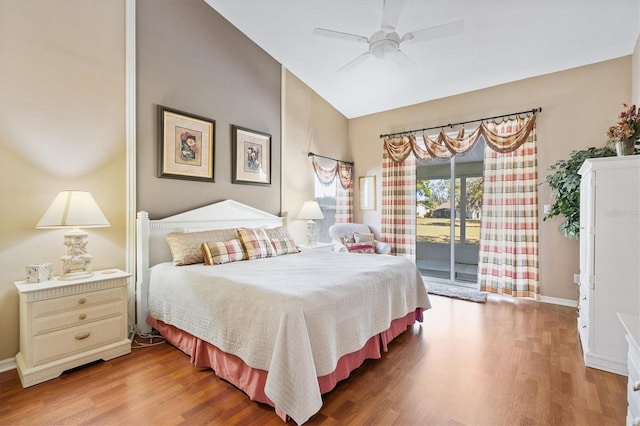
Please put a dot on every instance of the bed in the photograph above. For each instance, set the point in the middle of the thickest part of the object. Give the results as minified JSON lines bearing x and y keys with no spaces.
{"x":283,"y":328}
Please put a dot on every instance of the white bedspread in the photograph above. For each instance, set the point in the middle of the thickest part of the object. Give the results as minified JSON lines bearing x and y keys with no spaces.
{"x":293,"y":315}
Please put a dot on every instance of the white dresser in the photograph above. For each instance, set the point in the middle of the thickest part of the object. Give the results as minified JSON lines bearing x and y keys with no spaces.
{"x":609,"y":258}
{"x":631,"y":325}
{"x":65,"y":324}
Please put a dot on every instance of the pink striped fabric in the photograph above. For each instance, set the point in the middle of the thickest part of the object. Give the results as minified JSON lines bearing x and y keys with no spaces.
{"x":344,"y":188}
{"x":508,"y":256}
{"x":399,"y":202}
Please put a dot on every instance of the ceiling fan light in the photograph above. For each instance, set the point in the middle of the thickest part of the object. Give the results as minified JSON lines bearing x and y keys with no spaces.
{"x":385,"y":48}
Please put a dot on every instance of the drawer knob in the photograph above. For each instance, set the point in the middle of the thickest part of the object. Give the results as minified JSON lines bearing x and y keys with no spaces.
{"x":636,"y":386}
{"x":82,"y":301}
{"x":82,"y":316}
{"x":82,"y":336}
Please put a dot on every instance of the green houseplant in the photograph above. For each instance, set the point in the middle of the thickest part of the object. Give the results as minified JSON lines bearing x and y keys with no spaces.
{"x":564,"y":180}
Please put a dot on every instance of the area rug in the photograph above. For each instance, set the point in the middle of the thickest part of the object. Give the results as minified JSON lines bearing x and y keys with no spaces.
{"x":456,"y":292}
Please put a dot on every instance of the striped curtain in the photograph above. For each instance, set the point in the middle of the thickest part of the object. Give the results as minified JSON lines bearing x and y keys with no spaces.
{"x":344,"y":194}
{"x":508,"y":255}
{"x":399,"y":201}
{"x":344,"y":187}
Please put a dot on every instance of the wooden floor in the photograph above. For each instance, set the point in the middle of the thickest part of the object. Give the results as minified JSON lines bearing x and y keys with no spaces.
{"x":498,"y":363}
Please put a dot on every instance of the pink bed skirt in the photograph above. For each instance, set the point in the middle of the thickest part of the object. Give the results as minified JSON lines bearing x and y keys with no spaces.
{"x":251,"y":380}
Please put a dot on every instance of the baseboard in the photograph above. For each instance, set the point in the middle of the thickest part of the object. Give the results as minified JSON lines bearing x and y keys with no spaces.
{"x":557,"y":301}
{"x":7,"y":364}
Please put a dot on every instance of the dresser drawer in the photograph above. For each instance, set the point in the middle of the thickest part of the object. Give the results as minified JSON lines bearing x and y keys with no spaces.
{"x":83,"y":315}
{"x":58,"y":344}
{"x":83,"y":300}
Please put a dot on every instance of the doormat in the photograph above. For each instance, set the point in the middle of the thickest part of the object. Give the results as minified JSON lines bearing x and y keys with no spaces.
{"x":456,"y":292}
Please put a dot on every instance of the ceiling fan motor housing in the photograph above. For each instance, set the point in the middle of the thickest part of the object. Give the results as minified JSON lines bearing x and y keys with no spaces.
{"x":384,"y":45}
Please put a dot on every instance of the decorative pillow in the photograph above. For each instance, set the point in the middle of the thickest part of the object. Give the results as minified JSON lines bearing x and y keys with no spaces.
{"x":284,"y":246}
{"x":359,"y":238}
{"x":347,"y":239}
{"x":361,"y":248}
{"x":218,"y":252}
{"x":185,"y":246}
{"x":282,"y":241}
{"x":256,"y":243}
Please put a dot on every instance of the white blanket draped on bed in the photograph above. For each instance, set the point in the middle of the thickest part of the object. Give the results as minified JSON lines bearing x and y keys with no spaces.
{"x":293,"y":315}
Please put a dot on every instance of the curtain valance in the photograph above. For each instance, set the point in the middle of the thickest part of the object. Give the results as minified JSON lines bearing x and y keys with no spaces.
{"x":343,"y":171}
{"x":445,"y":146}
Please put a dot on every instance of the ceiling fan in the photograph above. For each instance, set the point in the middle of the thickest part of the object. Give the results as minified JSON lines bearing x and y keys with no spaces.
{"x":385,"y":43}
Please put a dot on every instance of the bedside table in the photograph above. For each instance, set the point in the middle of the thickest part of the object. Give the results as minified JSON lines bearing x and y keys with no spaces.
{"x":65,"y":324}
{"x":317,"y":246}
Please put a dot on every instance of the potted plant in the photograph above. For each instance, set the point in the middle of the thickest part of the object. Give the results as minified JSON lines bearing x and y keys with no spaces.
{"x":626,"y":131}
{"x":564,"y":180}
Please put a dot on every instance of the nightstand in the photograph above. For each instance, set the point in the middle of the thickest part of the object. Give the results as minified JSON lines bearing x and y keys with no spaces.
{"x":317,"y":246}
{"x":65,"y":324}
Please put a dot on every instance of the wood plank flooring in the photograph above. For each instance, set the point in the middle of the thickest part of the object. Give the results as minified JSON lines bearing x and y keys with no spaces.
{"x":503,"y":362}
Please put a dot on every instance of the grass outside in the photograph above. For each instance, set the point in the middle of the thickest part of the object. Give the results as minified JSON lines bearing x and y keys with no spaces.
{"x":436,"y":230}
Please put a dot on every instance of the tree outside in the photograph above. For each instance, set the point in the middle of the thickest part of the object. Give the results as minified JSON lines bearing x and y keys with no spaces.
{"x":433,"y":219}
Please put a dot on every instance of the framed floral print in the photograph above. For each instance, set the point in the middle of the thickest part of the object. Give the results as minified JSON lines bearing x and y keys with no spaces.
{"x":251,"y":156}
{"x":186,"y":145}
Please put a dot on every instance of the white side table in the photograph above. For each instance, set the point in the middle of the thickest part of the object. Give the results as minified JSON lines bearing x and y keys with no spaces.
{"x":65,"y":324}
{"x":317,"y":246}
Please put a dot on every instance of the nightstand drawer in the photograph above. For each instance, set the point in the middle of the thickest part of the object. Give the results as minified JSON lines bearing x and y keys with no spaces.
{"x":84,"y":315}
{"x":58,"y":344}
{"x":83,"y":300}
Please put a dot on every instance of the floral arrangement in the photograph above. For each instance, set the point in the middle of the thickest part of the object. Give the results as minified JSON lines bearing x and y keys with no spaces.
{"x":628,"y":126}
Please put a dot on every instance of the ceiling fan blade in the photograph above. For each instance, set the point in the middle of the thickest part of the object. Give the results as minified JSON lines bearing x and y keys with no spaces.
{"x":356,"y":62}
{"x":402,"y":60}
{"x":391,"y":10}
{"x":337,"y":34}
{"x":431,"y":33}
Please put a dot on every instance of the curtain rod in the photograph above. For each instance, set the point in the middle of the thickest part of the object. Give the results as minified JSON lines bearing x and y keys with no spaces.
{"x":311,"y":154}
{"x":532,"y":111}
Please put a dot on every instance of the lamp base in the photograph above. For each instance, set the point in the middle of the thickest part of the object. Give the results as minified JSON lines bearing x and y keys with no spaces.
{"x":75,"y":275}
{"x":311,"y":233}
{"x":76,"y":263}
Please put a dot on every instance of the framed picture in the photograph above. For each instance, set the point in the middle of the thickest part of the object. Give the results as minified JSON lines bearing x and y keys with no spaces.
{"x":251,"y":156}
{"x":367,"y":185}
{"x":185,"y":145}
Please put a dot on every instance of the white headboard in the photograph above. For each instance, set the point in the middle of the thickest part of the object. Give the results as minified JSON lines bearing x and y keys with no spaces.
{"x":152,"y":247}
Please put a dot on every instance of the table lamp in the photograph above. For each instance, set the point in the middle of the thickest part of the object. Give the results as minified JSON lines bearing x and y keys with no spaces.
{"x":74,"y":210}
{"x":310,"y":212}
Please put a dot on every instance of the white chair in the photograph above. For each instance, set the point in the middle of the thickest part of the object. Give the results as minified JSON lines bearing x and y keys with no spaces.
{"x":348,"y":231}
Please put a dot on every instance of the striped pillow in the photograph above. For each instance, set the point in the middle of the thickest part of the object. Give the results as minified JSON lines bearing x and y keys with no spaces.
{"x":284,"y":246}
{"x":282,"y":241}
{"x":216,"y":253}
{"x":256,"y":243}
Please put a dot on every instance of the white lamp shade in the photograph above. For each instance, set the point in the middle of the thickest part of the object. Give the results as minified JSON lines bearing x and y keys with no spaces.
{"x":310,"y":211}
{"x":75,"y":209}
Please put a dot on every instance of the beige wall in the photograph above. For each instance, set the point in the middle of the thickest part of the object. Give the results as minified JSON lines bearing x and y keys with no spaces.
{"x":191,"y":59}
{"x":578,"y":106}
{"x":62,"y":126}
{"x":310,"y":125}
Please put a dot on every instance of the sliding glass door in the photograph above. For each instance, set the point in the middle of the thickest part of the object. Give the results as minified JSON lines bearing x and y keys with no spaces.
{"x":449,"y":202}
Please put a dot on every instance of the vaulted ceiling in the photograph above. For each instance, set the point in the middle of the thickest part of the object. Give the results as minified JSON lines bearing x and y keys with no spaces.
{"x":499,"y":41}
